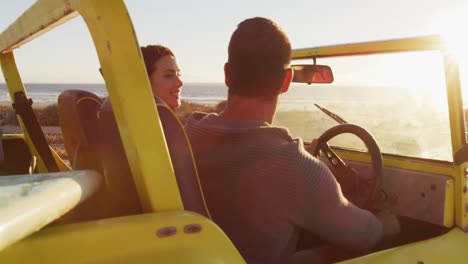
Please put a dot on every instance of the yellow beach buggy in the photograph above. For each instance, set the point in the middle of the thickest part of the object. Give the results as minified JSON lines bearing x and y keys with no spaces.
{"x":131,"y":194}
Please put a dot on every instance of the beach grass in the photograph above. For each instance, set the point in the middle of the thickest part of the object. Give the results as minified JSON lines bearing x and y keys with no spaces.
{"x":56,"y":142}
{"x":7,"y":115}
{"x":47,"y":115}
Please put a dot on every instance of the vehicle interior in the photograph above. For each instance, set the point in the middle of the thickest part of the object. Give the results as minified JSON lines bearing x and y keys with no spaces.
{"x":115,"y":169}
{"x":390,"y":142}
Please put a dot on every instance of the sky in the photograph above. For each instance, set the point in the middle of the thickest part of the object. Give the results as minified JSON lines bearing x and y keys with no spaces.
{"x":198,"y":32}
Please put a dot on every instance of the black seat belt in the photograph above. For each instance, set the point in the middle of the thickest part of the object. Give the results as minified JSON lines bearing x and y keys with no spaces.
{"x":23,"y":107}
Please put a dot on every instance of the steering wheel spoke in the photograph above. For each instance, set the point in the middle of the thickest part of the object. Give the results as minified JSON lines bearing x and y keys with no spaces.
{"x":338,"y":166}
{"x":362,"y":191}
{"x":331,"y":156}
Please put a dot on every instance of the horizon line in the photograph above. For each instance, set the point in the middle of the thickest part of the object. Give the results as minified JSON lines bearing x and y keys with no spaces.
{"x":99,"y":83}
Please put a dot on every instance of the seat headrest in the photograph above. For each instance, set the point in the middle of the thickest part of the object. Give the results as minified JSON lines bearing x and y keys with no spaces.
{"x":77,"y":111}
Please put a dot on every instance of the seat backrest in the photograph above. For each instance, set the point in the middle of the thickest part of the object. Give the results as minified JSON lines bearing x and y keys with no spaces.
{"x":179,"y":150}
{"x":77,"y":111}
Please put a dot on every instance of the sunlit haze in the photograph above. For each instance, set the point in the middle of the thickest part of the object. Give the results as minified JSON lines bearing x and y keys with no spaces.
{"x":198,"y":32}
{"x":398,"y":97}
{"x":452,"y":28}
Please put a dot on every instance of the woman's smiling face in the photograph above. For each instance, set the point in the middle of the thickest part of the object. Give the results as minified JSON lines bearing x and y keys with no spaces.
{"x":165,"y":81}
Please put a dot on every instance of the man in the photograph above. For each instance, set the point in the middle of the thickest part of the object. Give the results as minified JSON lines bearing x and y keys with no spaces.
{"x":260,"y":184}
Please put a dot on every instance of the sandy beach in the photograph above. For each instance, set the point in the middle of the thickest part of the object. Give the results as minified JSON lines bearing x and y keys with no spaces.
{"x":9,"y":129}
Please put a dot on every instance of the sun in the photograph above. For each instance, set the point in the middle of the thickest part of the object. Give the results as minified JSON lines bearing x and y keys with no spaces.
{"x":453,"y":29}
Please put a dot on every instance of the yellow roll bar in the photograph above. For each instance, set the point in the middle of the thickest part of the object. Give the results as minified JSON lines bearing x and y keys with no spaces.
{"x":127,"y":83}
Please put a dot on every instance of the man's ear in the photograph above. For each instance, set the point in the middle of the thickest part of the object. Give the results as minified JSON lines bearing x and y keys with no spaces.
{"x":287,"y":80}
{"x":226,"y":74}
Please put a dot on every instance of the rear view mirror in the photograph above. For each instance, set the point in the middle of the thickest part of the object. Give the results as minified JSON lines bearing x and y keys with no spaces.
{"x":308,"y":73}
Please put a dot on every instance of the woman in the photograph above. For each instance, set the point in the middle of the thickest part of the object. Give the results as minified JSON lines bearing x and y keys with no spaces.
{"x":163,"y":73}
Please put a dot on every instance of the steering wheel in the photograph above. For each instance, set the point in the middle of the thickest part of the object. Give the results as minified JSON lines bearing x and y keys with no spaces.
{"x":364,"y":193}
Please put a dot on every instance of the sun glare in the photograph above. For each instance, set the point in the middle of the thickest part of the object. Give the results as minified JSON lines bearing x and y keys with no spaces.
{"x":453,"y":30}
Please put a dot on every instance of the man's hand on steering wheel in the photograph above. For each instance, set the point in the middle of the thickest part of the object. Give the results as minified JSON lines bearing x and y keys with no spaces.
{"x":352,"y":184}
{"x":361,"y":191}
{"x":312,"y":146}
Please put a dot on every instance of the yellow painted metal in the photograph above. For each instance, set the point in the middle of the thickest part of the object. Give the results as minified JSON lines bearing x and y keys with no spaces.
{"x":14,"y":84}
{"x":41,"y":17}
{"x":12,"y":136}
{"x":132,"y":101}
{"x":414,"y":165}
{"x":131,"y":239}
{"x":61,"y":164}
{"x":128,"y":86}
{"x":448,"y":248}
{"x":397,"y":45}
{"x":443,"y":168}
{"x":449,"y":206}
{"x":130,"y":93}
{"x":457,"y":129}
{"x":456,"y":200}
{"x":191,"y":155}
{"x":461,"y":197}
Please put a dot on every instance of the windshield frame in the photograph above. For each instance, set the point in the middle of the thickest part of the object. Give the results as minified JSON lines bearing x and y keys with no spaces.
{"x":424,"y":43}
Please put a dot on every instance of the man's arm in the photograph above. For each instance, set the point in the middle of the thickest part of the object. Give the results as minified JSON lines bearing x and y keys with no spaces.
{"x":329,"y":215}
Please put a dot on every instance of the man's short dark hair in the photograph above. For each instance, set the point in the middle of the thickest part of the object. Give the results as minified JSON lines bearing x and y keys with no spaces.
{"x":259,"y":54}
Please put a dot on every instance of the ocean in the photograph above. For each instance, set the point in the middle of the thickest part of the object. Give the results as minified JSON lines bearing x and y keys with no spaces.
{"x":46,"y":93}
{"x":299,"y":96}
